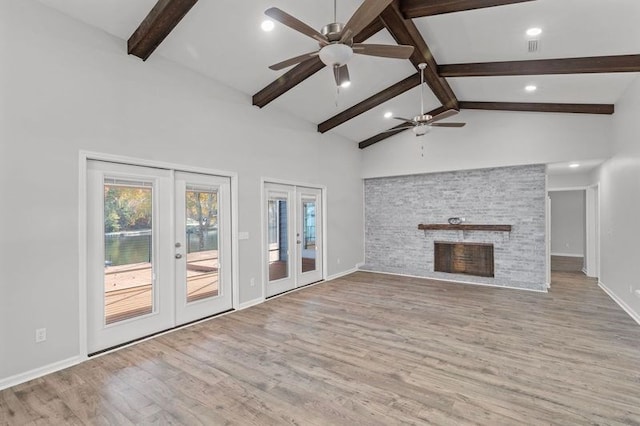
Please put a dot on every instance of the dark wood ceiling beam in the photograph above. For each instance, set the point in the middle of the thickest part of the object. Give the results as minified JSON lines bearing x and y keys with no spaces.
{"x":540,"y":107}
{"x":394,"y":130}
{"x":371,"y":102}
{"x":404,"y":31}
{"x":287,"y":81}
{"x":156,"y":26}
{"x":419,"y":8}
{"x":301,"y":72}
{"x":502,"y":106}
{"x":596,"y":64}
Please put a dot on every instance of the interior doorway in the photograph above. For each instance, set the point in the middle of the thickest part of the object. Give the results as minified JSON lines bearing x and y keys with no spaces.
{"x":293,"y":237}
{"x":574,"y":232}
{"x":568,"y":230}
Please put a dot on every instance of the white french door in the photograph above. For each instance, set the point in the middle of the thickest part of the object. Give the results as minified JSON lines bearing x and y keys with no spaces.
{"x":158,"y":250}
{"x":309,"y":235}
{"x":293,"y":235}
{"x":203,"y":236}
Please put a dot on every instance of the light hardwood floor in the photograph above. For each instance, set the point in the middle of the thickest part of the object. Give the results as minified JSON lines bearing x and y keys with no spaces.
{"x":567,"y":263}
{"x":367,"y":349}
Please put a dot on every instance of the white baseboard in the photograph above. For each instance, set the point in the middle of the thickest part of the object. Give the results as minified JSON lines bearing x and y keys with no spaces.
{"x":633,"y":314}
{"x":250,"y":303}
{"x":458,"y":281}
{"x":567,"y":255}
{"x":39,"y":372}
{"x":342,"y":274}
{"x":69,"y":362}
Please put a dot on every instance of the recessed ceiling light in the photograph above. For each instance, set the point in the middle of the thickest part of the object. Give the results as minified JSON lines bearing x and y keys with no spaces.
{"x":531,"y":88}
{"x":532,"y":32}
{"x":267,"y":25}
{"x":345,"y":84}
{"x":574,"y":165}
{"x":388,"y":114}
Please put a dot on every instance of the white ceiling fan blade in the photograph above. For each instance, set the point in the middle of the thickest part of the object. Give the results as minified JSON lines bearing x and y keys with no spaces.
{"x":296,"y":24}
{"x":383,"y":50}
{"x":293,"y":61}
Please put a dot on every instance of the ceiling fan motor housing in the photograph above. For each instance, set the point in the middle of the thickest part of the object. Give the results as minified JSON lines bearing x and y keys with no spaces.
{"x":333,"y":32}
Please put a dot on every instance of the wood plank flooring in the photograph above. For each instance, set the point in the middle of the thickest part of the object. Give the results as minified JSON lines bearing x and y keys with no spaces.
{"x":367,"y":349}
{"x":567,"y":263}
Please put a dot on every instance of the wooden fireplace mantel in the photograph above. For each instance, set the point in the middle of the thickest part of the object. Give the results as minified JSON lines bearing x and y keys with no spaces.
{"x":463,"y":227}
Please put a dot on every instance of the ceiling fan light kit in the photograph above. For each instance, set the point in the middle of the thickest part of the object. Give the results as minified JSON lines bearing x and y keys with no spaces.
{"x":336,"y":54}
{"x":420,"y":129}
{"x":336,"y":39}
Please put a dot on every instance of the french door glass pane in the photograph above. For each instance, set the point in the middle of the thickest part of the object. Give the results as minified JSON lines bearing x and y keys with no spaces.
{"x":278,"y":241}
{"x":308,"y":236}
{"x":201,"y":229}
{"x":128,"y":240}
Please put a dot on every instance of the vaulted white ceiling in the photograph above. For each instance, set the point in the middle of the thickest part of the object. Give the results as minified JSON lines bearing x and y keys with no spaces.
{"x":223,"y":40}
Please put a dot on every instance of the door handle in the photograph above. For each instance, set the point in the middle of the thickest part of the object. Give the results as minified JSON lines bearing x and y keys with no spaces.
{"x":178,"y":256}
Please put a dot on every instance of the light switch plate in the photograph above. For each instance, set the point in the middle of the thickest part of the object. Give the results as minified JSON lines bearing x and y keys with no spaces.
{"x":243,"y":235}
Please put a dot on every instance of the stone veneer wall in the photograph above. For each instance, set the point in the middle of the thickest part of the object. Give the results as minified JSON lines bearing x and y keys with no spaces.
{"x":394,"y":206}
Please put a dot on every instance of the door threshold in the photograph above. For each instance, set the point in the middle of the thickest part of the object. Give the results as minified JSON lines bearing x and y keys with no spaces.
{"x":158,"y":333}
{"x":295,"y":289}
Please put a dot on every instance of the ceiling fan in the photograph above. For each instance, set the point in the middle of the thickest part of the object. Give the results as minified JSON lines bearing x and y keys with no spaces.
{"x":336,"y":39}
{"x":420,"y":124}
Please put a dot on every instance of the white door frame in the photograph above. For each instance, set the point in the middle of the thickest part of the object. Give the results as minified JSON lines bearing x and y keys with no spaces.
{"x":263,"y":218}
{"x":83,"y":158}
{"x":592,"y":228}
{"x":592,"y":255}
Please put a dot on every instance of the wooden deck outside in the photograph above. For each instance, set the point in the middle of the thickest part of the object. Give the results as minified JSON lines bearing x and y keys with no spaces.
{"x":278,"y":268}
{"x":128,"y":290}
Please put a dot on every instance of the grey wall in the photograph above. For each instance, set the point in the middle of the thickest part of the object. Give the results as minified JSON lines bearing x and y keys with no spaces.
{"x":394,"y":207}
{"x":619,"y":180}
{"x":568,"y":228}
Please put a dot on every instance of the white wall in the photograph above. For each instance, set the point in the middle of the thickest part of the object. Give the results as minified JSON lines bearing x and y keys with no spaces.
{"x":620,"y":205}
{"x":568,"y":228}
{"x":67,"y":87}
{"x":569,"y":180}
{"x":492,"y":139}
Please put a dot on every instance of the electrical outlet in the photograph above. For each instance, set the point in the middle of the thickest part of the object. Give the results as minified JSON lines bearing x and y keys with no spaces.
{"x":637,"y":293}
{"x":41,"y":335}
{"x":338,"y":261}
{"x":252,"y":282}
